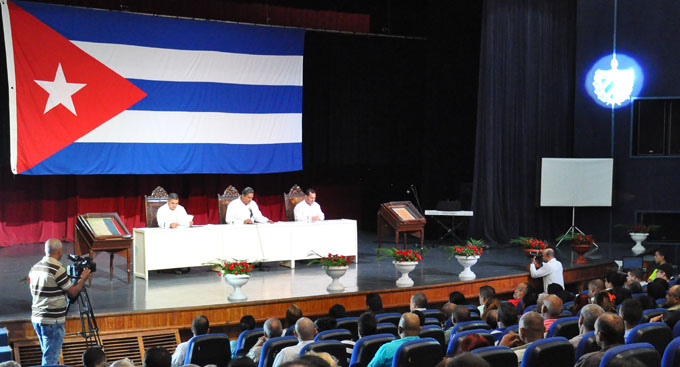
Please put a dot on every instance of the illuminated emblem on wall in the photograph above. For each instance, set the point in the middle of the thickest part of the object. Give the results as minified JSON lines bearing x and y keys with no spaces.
{"x":613,"y":80}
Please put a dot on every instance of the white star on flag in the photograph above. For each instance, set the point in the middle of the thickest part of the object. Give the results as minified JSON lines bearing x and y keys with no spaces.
{"x":60,"y":91}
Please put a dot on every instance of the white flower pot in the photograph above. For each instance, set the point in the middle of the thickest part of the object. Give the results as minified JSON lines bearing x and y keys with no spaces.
{"x":638,"y":238}
{"x":237,"y":281}
{"x":467,"y":262}
{"x":404,"y":268}
{"x":335,"y":272}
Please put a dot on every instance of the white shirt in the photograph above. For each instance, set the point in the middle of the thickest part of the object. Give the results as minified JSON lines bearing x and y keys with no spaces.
{"x":238,"y":212}
{"x":550,"y":271}
{"x":180,"y":353}
{"x":303,"y":210}
{"x":166,"y":217}
{"x":290,"y":353}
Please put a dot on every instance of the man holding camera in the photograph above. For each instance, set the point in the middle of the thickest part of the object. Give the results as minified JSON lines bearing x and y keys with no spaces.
{"x":551,"y":271}
{"x":49,"y":286}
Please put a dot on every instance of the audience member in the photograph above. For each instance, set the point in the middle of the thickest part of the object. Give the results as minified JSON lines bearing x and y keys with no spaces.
{"x":614,"y":282}
{"x":409,"y":329}
{"x":485,"y":292}
{"x":10,"y":364}
{"x":467,"y":360}
{"x":366,"y":325}
{"x":199,"y":326}
{"x":520,"y":291}
{"x":94,"y":357}
{"x":558,"y":290}
{"x":657,"y":288}
{"x":325,"y":323}
{"x":529,"y":299}
{"x":272,"y":329}
{"x":460,"y":314}
{"x":447,"y":313}
{"x":457,"y":298}
{"x":421,"y":316}
{"x":539,"y":302}
{"x":472,"y":342}
{"x":507,"y":315}
{"x":247,"y":323}
{"x":580,"y":301}
{"x":647,"y":302}
{"x":665,"y":272}
{"x":673,"y":298}
{"x":609,"y":330}
{"x":595,"y":286}
{"x":586,"y":322}
{"x":293,"y":313}
{"x":374,"y":303}
{"x":530,"y":329}
{"x":125,"y":362}
{"x":157,"y":357}
{"x":320,"y":359}
{"x":631,"y":313}
{"x":552,"y":308}
{"x":305,"y":332}
{"x":241,"y":362}
{"x":633,"y":286}
{"x":605,"y":300}
{"x":670,"y":318}
{"x":491,"y":318}
{"x":635,"y":274}
{"x":418,"y":302}
{"x":490,"y":305}
{"x":337,"y":311}
{"x":659,"y":259}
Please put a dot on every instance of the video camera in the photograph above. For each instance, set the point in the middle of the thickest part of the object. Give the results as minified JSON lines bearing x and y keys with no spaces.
{"x":79,"y":264}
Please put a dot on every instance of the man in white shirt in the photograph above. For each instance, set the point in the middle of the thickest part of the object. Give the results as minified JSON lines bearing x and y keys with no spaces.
{"x":305,"y":332}
{"x":308,"y":210}
{"x":199,"y":326}
{"x":173,"y":215}
{"x":244,"y":210}
{"x":551,"y":271}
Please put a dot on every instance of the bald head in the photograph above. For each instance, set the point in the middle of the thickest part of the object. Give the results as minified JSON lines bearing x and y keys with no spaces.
{"x":552,"y":306}
{"x":447,"y":310}
{"x":273,"y":328}
{"x":53,"y":247}
{"x":531,"y":327}
{"x":409,"y":325}
{"x":595,"y":286}
{"x":304,"y":329}
{"x":548,"y":254}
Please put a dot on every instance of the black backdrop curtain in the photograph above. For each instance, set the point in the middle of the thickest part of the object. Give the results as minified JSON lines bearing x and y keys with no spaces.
{"x":524,"y":112}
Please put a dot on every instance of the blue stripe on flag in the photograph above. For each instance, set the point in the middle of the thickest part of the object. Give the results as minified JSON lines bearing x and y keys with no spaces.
{"x":217,"y":97}
{"x":120,"y":158}
{"x":105,"y":26}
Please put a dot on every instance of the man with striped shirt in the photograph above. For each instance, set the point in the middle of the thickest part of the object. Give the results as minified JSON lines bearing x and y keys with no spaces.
{"x":49,"y":287}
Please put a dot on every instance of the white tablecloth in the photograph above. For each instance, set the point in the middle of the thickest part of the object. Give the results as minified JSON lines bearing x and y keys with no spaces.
{"x":158,"y":248}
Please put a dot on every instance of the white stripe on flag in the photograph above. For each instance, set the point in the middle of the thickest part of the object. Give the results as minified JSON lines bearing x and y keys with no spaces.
{"x":198,"y":127}
{"x":152,"y":63}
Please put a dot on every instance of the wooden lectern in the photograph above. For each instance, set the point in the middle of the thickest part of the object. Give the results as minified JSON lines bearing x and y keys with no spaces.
{"x":96,"y":232}
{"x":403,"y":217}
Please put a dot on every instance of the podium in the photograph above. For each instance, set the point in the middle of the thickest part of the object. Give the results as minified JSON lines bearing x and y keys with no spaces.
{"x":404,"y":218}
{"x":96,"y":232}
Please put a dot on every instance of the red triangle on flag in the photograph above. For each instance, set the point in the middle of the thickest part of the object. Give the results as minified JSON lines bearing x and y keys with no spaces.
{"x":46,"y":121}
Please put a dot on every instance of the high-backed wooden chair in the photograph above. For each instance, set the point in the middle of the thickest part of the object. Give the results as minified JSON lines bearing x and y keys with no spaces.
{"x":152,"y":202}
{"x":223,"y":200}
{"x":291,"y":199}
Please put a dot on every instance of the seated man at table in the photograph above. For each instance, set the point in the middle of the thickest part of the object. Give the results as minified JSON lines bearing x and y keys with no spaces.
{"x":244,"y":210}
{"x":173,"y":215}
{"x":308,"y":210}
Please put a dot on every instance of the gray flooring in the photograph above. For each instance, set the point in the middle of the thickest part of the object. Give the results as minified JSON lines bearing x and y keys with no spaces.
{"x":202,"y":287}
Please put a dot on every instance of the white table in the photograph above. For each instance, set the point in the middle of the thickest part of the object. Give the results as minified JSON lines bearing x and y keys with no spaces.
{"x":449,"y":213}
{"x":159,"y":248}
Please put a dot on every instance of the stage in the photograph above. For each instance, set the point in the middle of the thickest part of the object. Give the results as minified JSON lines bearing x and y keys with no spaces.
{"x":168,"y":300}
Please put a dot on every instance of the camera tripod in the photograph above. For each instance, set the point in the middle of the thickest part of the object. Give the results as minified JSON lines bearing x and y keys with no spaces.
{"x":88,"y":323}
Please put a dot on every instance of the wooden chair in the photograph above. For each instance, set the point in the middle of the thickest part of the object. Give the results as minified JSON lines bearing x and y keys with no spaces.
{"x":291,"y":199}
{"x":223,"y":200}
{"x":152,"y":203}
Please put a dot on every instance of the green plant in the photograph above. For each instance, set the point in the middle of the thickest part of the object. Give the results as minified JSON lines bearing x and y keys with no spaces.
{"x":576,"y":238}
{"x":531,"y":243}
{"x":236,"y":267}
{"x":333,"y":260}
{"x":472,"y":247}
{"x":401,"y":255}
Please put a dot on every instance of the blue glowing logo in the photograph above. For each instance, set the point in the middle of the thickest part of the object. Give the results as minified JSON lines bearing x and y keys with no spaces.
{"x":613,"y":80}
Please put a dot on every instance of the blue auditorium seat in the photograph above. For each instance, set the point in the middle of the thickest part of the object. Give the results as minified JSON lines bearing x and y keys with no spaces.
{"x":644,"y":352}
{"x":208,"y":349}
{"x":423,"y":352}
{"x":365,"y":348}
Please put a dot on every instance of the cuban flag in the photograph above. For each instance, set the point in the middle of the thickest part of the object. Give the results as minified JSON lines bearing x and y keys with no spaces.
{"x":106,"y":92}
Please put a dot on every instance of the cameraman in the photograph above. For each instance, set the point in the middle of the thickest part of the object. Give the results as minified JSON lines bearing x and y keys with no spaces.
{"x":551,"y":271}
{"x":49,"y":286}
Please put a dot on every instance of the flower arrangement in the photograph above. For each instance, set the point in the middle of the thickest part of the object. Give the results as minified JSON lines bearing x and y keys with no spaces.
{"x":639,"y":228}
{"x":334,"y":260}
{"x":577,"y":238}
{"x":401,"y":256}
{"x":531,"y":243}
{"x":236,"y":267}
{"x":472,"y":247}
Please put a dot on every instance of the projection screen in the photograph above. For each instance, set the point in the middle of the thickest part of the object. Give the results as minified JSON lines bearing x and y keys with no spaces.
{"x":575,"y":182}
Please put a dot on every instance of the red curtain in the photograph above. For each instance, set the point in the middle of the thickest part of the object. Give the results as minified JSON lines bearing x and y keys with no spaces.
{"x":36,"y":208}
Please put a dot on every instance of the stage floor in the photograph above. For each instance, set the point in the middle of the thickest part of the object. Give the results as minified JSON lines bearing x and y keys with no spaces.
{"x":202,"y":287}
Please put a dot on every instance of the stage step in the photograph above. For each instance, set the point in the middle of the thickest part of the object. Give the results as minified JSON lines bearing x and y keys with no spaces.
{"x":117,"y":346}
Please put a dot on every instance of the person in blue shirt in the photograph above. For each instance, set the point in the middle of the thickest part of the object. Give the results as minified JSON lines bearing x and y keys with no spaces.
{"x":409,"y":329}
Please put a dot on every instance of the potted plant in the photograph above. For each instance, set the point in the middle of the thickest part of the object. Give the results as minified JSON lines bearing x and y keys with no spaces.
{"x":532,"y":246}
{"x":638,"y":233}
{"x":467,"y":256}
{"x":580,"y":244}
{"x":236,"y":273}
{"x":404,"y":261}
{"x":335,"y":266}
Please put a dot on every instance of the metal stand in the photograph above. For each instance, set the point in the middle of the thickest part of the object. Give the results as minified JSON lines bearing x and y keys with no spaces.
{"x":573,"y":229}
{"x":449,"y":230}
{"x":88,"y":324}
